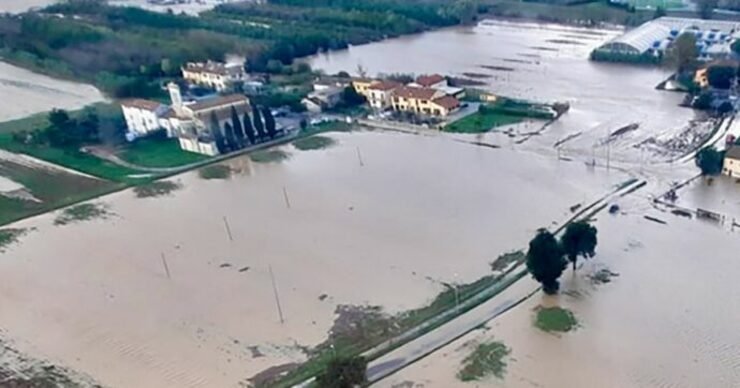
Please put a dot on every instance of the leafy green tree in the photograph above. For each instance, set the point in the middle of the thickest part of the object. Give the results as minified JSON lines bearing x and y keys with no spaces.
{"x":545,"y":261}
{"x":350,"y":97}
{"x":709,"y":160}
{"x":258,"y":125}
{"x":579,"y":239}
{"x":218,"y":136}
{"x":683,"y":52}
{"x":249,"y":129}
{"x":706,"y":8}
{"x":721,"y":76}
{"x":241,"y":138}
{"x":659,"y":12}
{"x":703,"y":101}
{"x":270,"y":126}
{"x":344,"y":373}
{"x":230,"y":137}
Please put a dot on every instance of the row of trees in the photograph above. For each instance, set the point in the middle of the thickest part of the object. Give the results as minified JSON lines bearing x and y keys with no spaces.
{"x":243,"y":131}
{"x":72,"y":131}
{"x":547,"y":257}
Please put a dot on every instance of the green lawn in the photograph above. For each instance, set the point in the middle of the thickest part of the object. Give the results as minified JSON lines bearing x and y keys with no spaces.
{"x":480,"y":122}
{"x":652,"y":4}
{"x":159,"y":153}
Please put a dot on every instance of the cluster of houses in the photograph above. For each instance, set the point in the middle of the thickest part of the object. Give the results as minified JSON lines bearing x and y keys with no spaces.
{"x":428,"y":95}
{"x":191,"y":120}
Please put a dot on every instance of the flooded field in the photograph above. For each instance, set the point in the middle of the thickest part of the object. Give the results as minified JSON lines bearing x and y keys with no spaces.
{"x":34,"y":93}
{"x":663,"y":317}
{"x":418,"y":210}
{"x":546,"y":63}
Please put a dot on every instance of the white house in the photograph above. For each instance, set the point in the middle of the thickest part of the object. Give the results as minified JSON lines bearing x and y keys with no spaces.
{"x":142,"y":117}
{"x":214,"y":75}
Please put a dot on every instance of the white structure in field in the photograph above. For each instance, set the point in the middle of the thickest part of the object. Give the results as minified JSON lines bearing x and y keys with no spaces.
{"x":142,"y":117}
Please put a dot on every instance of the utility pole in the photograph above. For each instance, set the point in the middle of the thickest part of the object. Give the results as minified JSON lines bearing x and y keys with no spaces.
{"x":285,"y":195}
{"x":228,"y":229}
{"x":166,"y":268}
{"x":359,"y":157}
{"x":277,"y":296}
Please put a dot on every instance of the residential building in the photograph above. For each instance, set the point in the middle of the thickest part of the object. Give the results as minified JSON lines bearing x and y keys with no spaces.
{"x":731,"y":165}
{"x":380,"y":94}
{"x":426,"y":101}
{"x":434,"y":81}
{"x":324,"y":96}
{"x":362,"y":86}
{"x":215,"y":75}
{"x":142,"y":117}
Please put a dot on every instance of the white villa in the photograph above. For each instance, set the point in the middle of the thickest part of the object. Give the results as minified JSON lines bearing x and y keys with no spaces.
{"x":190,"y":122}
{"x":214,"y":75}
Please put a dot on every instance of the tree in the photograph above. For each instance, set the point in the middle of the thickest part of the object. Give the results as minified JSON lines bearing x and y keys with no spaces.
{"x":258,"y":125}
{"x":709,"y":160}
{"x":579,"y":239}
{"x":343,"y":74}
{"x":350,"y":97}
{"x":706,"y":8}
{"x":232,"y":143}
{"x":270,"y":126}
{"x":236,"y":123}
{"x":218,"y":136}
{"x":344,"y":373}
{"x":721,"y":76}
{"x":249,"y":130}
{"x":725,"y":107}
{"x":659,"y":12}
{"x":545,"y":260}
{"x":682,"y":53}
{"x":703,"y":101}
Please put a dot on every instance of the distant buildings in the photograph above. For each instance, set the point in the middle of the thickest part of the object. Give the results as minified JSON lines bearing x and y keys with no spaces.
{"x":142,"y":116}
{"x":326,"y":94}
{"x":731,"y":165}
{"x":651,"y":39}
{"x":214,"y":75}
{"x":428,"y":95}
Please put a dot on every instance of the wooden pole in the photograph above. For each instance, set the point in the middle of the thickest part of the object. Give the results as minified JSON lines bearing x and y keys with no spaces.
{"x":228,"y":229}
{"x":277,"y":296}
{"x":166,"y":268}
{"x":285,"y":194}
{"x":359,"y":157}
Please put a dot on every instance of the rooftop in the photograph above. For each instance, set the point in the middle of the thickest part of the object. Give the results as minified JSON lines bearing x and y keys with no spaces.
{"x":733,"y":153}
{"x":212,"y":67}
{"x":385,"y":85}
{"x":210,"y":103}
{"x":417,"y":93}
{"x":429,"y":80}
{"x":447,"y":102}
{"x":142,"y":104}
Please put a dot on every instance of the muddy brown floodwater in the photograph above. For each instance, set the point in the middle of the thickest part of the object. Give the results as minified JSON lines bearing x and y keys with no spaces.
{"x":421,"y":210}
{"x":604,"y":97}
{"x":34,"y":93}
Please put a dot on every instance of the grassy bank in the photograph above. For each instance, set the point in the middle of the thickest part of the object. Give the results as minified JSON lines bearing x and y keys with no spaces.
{"x":151,"y":152}
{"x":502,"y":112}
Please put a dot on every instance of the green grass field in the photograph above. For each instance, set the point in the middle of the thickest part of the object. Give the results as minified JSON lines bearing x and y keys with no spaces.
{"x":158,"y":153}
{"x":480,"y":122}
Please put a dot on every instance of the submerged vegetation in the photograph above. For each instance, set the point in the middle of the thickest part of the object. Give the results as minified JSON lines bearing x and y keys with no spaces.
{"x":216,"y":171}
{"x":555,"y":319}
{"x":156,"y":189}
{"x":487,"y":359}
{"x":11,"y":236}
{"x":313,"y":143}
{"x":269,"y":156}
{"x":83,"y":212}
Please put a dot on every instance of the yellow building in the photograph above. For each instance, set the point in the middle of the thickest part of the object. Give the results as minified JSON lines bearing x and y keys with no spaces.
{"x":215,"y":75}
{"x":731,"y":164}
{"x":425,"y":101}
{"x":362,"y":86}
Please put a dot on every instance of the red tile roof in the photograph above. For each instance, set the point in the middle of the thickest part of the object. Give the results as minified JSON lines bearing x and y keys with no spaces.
{"x":217,"y":102}
{"x":417,"y":93}
{"x":142,"y":104}
{"x":429,"y":80}
{"x":447,"y":102}
{"x":385,"y":85}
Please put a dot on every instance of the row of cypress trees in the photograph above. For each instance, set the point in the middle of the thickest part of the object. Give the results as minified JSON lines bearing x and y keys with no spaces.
{"x":242,"y":132}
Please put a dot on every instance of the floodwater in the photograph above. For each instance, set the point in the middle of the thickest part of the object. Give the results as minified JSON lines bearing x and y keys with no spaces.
{"x":541,"y":62}
{"x":33,"y":93}
{"x":669,"y":319}
{"x":419,"y":210}
{"x":17,"y":6}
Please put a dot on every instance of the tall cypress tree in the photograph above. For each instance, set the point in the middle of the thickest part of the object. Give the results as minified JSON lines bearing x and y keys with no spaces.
{"x":258,"y":126}
{"x":231,"y":142}
{"x":236,"y":123}
{"x":269,"y":123}
{"x":249,"y":130}
{"x":218,"y":136}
